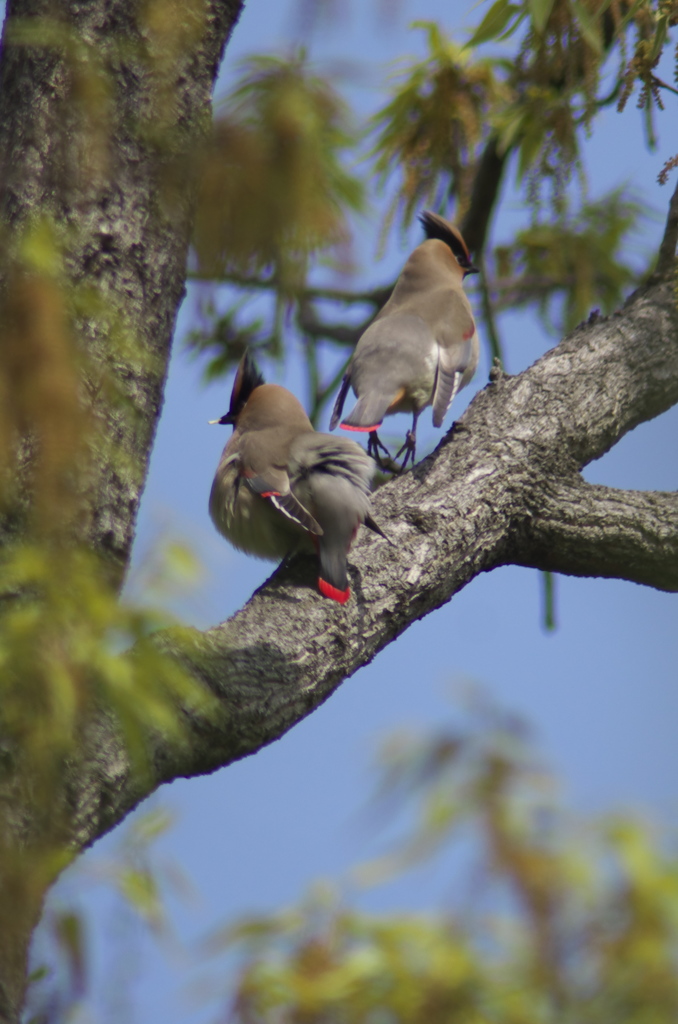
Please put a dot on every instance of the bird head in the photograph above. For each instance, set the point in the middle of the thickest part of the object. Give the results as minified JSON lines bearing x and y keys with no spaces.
{"x":247,"y":378}
{"x":437,"y":227}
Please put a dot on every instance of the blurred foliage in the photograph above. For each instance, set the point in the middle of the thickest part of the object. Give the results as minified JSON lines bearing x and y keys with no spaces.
{"x":39,"y":378}
{"x":538,"y":102}
{"x":559,"y":921}
{"x":273,"y":188}
{"x":548,"y":919}
{"x":567,"y":266}
{"x":430,"y":130}
{"x":62,"y":984}
{"x":223,"y":340}
{"x":70,"y":650}
{"x":524,"y":87}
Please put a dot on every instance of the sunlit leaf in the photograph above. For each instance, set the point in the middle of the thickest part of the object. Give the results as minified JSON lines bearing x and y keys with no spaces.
{"x":435,"y":122}
{"x":273,"y":186}
{"x":589,"y":26}
{"x":540,"y":11}
{"x":494,"y":23}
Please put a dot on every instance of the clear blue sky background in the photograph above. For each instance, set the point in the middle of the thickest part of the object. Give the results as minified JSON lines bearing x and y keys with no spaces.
{"x":600,"y":694}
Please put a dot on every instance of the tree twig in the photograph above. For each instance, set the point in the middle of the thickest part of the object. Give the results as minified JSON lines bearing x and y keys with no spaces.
{"x":488,"y":315}
{"x":667,"y":249}
{"x":374,"y":296}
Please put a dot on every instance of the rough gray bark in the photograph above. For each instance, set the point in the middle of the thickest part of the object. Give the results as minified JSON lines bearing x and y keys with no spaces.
{"x":122,"y":196}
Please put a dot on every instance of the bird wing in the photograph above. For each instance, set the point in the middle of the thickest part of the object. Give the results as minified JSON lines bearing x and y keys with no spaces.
{"x":341,"y":398}
{"x":264,"y":456}
{"x":333,"y":475}
{"x":274,"y":486}
{"x":395,"y":358}
{"x":455,"y":333}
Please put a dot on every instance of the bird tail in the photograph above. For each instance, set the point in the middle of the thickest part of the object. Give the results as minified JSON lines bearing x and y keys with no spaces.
{"x":368,"y":413}
{"x":332,"y":476}
{"x":333,"y":578}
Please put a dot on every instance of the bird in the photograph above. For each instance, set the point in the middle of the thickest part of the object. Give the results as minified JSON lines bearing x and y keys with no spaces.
{"x":280,"y":485}
{"x":422,"y":346}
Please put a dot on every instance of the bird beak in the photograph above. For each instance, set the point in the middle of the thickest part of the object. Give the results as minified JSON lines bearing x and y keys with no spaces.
{"x":212,"y":422}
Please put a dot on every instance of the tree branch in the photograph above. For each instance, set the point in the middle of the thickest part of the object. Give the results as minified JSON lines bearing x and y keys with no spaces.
{"x":489,"y":495}
{"x":484,"y":196}
{"x":374,"y":296}
{"x":667,"y":249}
{"x":581,"y":529}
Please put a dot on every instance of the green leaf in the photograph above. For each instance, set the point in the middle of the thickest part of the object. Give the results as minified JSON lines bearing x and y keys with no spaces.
{"x":660,"y":37}
{"x":510,"y":30}
{"x":511,"y":130}
{"x":588,"y":26}
{"x":494,"y":22}
{"x":540,"y":11}
{"x":69,"y":930}
{"x":635,"y":6}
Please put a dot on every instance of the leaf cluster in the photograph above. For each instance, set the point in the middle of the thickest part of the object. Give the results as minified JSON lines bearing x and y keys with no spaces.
{"x":430,"y":131}
{"x":521,"y":91}
{"x":70,"y":651}
{"x":553,"y":920}
{"x":560,"y":921}
{"x":567,"y":266}
{"x":273,"y":188}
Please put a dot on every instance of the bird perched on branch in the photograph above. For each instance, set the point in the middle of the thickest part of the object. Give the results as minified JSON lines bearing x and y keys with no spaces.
{"x":421,"y":347}
{"x":280,"y":485}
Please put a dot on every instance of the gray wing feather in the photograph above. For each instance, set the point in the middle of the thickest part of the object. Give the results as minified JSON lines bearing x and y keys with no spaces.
{"x":447,"y":385}
{"x":326,"y":456}
{"x":285,"y":502}
{"x":457,"y":353}
{"x":341,"y":398}
{"x":392,"y":353}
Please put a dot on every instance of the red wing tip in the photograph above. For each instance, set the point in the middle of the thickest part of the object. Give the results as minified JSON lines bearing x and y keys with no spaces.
{"x":364,"y":430}
{"x":327,"y":590}
{"x":270,"y":494}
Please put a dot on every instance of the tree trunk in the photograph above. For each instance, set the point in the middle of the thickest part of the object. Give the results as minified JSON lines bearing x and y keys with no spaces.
{"x":102,"y":105}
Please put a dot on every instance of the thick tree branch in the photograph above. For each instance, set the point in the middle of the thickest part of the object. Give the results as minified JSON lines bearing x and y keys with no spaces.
{"x":581,"y":529}
{"x":489,"y":495}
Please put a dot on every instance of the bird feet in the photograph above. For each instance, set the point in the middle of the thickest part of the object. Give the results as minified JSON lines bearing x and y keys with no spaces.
{"x":410,"y":448}
{"x":374,"y":445}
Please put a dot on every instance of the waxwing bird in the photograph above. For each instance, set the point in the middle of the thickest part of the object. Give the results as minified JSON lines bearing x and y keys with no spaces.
{"x":421,"y":347}
{"x":280,"y":485}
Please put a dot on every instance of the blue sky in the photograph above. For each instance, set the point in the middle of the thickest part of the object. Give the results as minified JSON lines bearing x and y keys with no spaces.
{"x":600,"y":694}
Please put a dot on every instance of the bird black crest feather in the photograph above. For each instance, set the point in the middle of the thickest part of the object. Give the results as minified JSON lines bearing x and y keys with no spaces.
{"x":437,"y":227}
{"x":247,"y":378}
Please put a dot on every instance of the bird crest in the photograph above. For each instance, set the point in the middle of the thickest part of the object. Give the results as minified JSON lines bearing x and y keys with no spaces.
{"x":247,"y":378}
{"x":437,"y":227}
